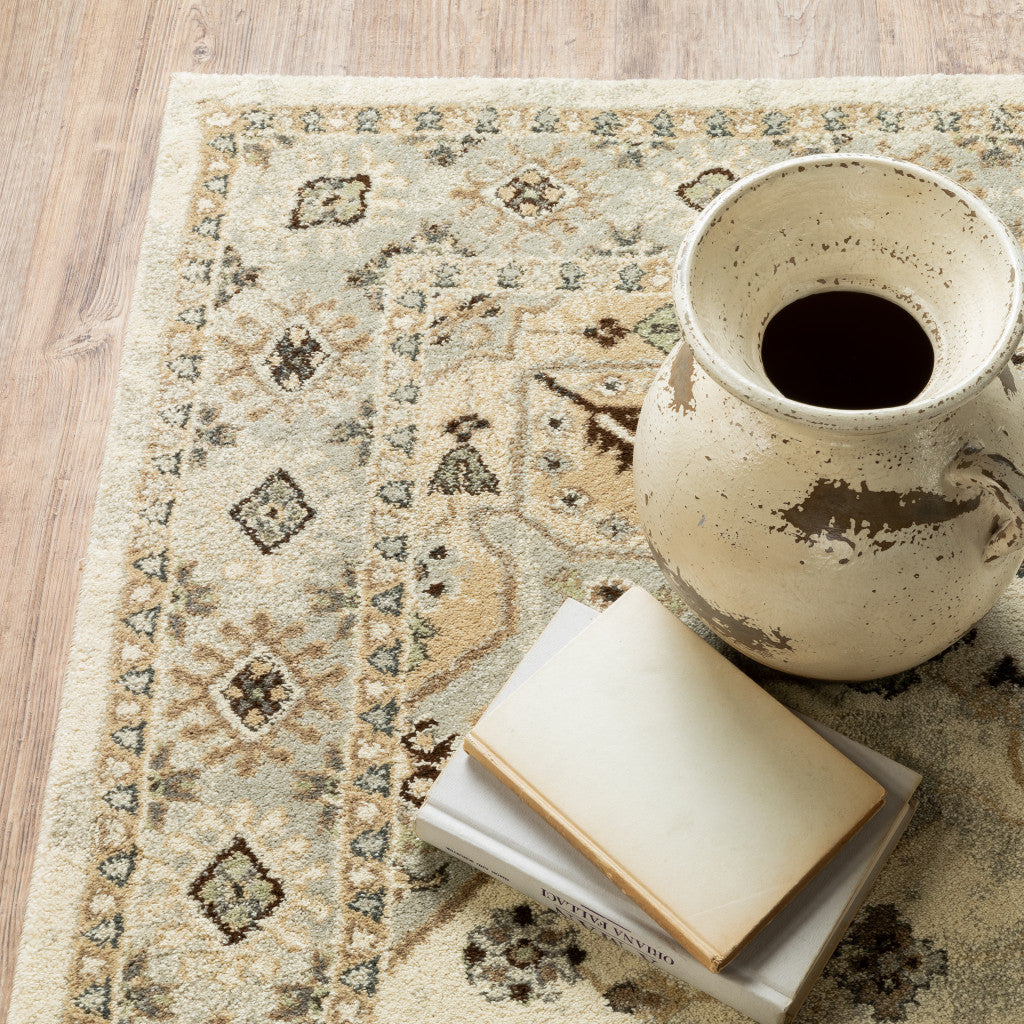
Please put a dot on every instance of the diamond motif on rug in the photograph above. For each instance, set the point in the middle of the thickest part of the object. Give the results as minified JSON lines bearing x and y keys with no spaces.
{"x":531,"y":193}
{"x":273,"y":513}
{"x":236,"y":891}
{"x":295,"y":358}
{"x":258,"y":694}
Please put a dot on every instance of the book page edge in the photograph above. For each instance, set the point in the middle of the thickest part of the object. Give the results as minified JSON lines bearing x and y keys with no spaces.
{"x":691,"y":941}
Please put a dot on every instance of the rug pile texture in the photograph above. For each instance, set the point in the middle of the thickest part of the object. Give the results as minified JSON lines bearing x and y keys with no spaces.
{"x":388,"y":346}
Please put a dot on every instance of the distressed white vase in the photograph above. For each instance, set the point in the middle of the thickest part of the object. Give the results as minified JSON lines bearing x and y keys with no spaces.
{"x":837,"y":543}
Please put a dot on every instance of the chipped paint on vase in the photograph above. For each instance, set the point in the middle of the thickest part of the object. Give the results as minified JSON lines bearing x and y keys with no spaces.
{"x":839,"y":543}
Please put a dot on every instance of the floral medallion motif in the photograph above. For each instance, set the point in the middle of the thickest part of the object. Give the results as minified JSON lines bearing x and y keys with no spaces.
{"x":266,"y":678}
{"x":258,"y":693}
{"x":522,"y":954}
{"x":531,"y":193}
{"x":882,"y":964}
{"x":295,"y":357}
{"x":289,"y":349}
{"x":544,"y":198}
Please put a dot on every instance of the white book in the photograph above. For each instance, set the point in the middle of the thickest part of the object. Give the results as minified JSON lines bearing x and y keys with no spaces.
{"x":472,"y":815}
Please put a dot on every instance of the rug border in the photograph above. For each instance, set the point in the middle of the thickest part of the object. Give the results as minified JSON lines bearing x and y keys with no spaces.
{"x":62,"y":858}
{"x":61,"y":862}
{"x":734,"y":93}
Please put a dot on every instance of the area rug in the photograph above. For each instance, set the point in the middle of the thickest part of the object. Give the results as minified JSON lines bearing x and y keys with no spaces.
{"x":374,"y":424}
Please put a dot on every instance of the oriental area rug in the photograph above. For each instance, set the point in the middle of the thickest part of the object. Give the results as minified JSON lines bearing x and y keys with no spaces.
{"x":387,"y":350}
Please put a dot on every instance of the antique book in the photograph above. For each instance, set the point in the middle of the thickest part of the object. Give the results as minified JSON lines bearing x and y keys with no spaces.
{"x":703,"y":798}
{"x":473,"y":816}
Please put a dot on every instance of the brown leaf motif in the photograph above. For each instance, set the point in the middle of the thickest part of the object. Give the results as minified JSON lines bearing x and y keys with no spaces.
{"x":609,"y":427}
{"x":608,"y":332}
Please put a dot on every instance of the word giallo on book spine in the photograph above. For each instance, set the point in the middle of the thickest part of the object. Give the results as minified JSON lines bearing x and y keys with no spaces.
{"x":599,"y":923}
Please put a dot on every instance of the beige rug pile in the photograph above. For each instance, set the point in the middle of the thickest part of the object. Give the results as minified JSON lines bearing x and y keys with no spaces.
{"x":388,"y":346}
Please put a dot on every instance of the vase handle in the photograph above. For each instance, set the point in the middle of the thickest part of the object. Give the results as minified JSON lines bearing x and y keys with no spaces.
{"x":976,"y":470}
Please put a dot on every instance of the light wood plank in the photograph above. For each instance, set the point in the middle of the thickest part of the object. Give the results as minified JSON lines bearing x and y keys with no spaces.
{"x":781,"y":39}
{"x":953,"y":37}
{"x":83,"y":91}
{"x":33,"y":86}
{"x":517,"y":38}
{"x":57,"y":385}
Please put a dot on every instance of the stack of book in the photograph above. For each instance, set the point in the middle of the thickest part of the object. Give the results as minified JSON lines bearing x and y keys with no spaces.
{"x":632,"y":778}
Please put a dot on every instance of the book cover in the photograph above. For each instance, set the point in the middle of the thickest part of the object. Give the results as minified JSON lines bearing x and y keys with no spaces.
{"x":701,"y":796}
{"x":473,"y":816}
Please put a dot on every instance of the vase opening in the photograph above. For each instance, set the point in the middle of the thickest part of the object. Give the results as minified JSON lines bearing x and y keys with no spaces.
{"x":879,"y":232}
{"x":845,"y":349}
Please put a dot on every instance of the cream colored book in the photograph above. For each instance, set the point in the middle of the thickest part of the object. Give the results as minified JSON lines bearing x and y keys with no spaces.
{"x":705,"y":800}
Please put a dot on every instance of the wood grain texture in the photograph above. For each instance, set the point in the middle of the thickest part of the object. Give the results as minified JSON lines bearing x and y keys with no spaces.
{"x":83,"y":91}
{"x":954,"y":37}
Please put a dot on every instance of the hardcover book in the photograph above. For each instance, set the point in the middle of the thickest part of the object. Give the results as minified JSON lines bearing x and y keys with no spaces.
{"x":472,"y":815}
{"x":694,"y":790}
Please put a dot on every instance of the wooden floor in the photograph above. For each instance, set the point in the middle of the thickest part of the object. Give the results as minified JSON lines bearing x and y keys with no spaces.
{"x":83,"y":89}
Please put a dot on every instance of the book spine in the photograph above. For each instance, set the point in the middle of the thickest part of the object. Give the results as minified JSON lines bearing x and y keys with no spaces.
{"x":435,"y":826}
{"x":543,"y":892}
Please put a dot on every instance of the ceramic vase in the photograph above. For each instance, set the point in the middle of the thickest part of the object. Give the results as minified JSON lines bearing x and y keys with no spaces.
{"x":831,"y":542}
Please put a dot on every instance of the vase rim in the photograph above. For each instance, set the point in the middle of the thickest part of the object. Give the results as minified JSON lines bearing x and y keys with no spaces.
{"x":774,"y":403}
